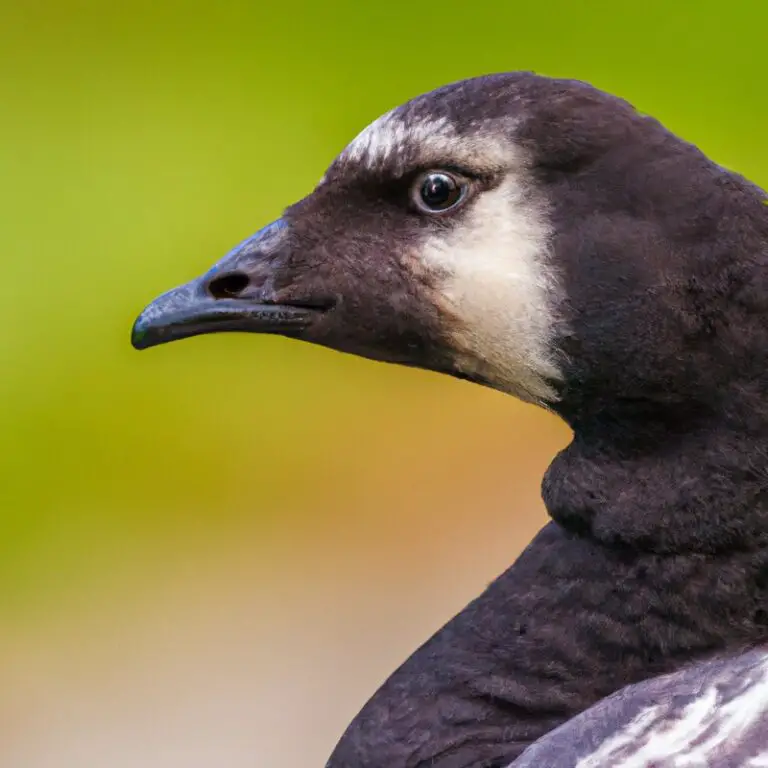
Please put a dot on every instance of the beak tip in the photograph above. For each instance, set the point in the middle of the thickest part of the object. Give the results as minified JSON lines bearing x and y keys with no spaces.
{"x":140,"y":337}
{"x":156,"y":322}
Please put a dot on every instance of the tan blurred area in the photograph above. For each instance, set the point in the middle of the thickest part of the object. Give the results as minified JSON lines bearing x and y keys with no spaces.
{"x":246,"y":652}
{"x":212,"y":553}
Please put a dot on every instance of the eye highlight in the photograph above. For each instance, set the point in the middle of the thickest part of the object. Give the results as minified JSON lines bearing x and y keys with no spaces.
{"x":438,"y":191}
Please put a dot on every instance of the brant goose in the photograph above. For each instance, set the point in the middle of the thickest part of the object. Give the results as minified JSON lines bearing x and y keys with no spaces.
{"x":543,"y":238}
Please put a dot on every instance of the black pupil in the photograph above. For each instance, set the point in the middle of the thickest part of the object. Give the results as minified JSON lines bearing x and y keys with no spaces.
{"x":439,"y":191}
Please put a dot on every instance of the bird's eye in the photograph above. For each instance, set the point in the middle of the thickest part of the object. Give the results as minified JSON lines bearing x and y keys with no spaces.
{"x":438,"y":192}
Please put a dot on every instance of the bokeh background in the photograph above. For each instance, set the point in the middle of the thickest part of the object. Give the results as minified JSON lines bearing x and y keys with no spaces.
{"x":212,"y":553}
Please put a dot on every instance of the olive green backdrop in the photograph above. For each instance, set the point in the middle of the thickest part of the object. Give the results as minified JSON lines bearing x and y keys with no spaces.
{"x":204,"y":543}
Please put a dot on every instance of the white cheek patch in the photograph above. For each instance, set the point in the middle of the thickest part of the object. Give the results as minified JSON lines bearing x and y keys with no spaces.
{"x":708,"y":727}
{"x":500,"y":291}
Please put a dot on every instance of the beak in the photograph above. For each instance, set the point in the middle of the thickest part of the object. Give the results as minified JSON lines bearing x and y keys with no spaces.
{"x":237,"y":294}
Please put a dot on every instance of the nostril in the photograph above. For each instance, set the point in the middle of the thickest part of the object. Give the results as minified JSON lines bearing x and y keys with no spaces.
{"x":228,"y":286}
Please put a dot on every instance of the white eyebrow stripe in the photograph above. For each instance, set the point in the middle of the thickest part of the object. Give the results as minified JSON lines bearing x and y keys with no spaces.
{"x":391,"y":133}
{"x":432,"y":139}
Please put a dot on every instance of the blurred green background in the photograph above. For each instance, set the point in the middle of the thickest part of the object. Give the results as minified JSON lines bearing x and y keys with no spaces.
{"x":205,"y":543}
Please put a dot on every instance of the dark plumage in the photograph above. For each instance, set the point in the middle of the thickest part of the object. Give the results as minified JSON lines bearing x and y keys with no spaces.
{"x":594,"y":264}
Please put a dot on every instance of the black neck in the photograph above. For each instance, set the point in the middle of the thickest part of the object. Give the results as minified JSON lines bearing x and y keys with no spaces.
{"x":569,"y":623}
{"x":694,"y":482}
{"x":657,"y":556}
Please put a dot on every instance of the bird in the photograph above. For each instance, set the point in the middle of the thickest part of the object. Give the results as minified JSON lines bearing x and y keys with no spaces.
{"x":546,"y":239}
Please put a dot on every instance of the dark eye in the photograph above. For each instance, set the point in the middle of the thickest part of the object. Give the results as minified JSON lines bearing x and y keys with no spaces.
{"x":438,"y":191}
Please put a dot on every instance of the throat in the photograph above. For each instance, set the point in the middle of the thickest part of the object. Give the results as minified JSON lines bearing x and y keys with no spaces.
{"x":701,"y":490}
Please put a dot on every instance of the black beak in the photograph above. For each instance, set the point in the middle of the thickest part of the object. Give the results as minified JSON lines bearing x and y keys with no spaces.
{"x":237,"y":294}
